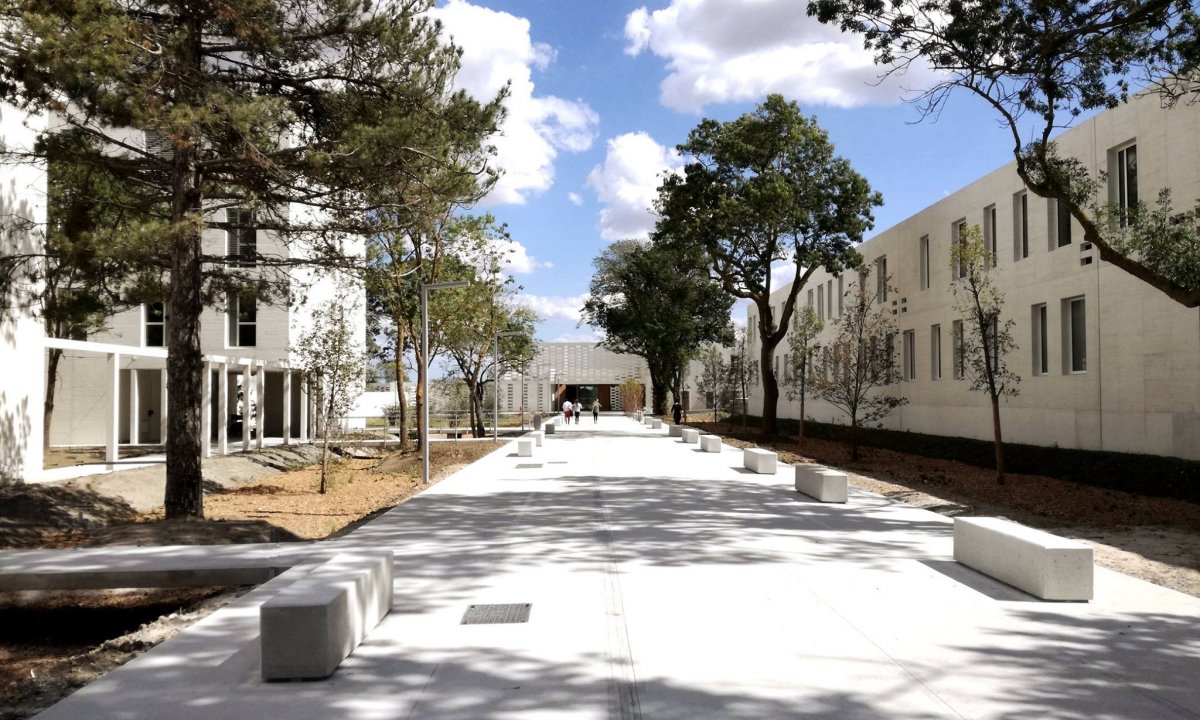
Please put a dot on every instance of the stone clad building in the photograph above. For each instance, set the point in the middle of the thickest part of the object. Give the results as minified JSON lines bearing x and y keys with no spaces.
{"x":1106,"y":361}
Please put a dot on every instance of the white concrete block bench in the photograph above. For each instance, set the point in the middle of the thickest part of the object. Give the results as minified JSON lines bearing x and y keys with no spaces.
{"x":537,"y":438}
{"x":525,"y":447}
{"x":1041,"y":564}
{"x":656,"y":424}
{"x":822,"y":483}
{"x":691,"y":435}
{"x":309,"y":627}
{"x":648,"y":422}
{"x":548,"y":428}
{"x":759,"y":460}
{"x":675,"y":431}
{"x":710,"y":443}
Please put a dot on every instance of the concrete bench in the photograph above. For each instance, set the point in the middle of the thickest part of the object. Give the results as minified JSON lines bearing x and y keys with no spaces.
{"x":822,"y":483}
{"x":548,"y":428}
{"x":537,"y":438}
{"x":759,"y":460}
{"x":309,"y":627}
{"x":691,"y":435}
{"x":675,"y":431}
{"x":1044,"y":565}
{"x":525,"y":447}
{"x":710,"y":443}
{"x":648,"y":422}
{"x":656,"y":424}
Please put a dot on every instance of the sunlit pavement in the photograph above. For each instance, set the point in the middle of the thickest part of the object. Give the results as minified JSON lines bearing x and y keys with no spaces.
{"x":669,"y":583}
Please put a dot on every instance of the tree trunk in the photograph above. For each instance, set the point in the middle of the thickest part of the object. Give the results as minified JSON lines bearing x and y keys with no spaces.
{"x":399,"y":360}
{"x":998,"y":440}
{"x":328,"y":416}
{"x":658,"y":394}
{"x":421,"y":429}
{"x":854,"y":437}
{"x":770,"y":421}
{"x":48,"y":405}
{"x":800,"y":429}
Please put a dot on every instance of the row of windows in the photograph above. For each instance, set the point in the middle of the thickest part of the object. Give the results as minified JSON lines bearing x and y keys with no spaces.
{"x":242,"y":319}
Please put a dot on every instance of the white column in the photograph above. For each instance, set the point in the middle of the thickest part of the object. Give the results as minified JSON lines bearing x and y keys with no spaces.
{"x":162,"y":405}
{"x":287,"y":407}
{"x":303,"y":411}
{"x":260,"y":403}
{"x":223,"y":408}
{"x":113,"y":419}
{"x":205,"y":411}
{"x":246,"y":406}
{"x":134,"y":408}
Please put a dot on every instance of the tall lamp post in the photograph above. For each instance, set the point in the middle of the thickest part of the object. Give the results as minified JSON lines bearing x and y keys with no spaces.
{"x":496,"y":383}
{"x":425,"y":288}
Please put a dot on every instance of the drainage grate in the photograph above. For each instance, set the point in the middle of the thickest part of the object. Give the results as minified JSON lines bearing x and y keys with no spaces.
{"x":528,"y":466}
{"x":496,"y":614}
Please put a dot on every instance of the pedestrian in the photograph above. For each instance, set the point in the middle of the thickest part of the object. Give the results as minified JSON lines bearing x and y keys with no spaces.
{"x":578,"y":411}
{"x":677,"y":411}
{"x":595,"y":411}
{"x":567,"y":412}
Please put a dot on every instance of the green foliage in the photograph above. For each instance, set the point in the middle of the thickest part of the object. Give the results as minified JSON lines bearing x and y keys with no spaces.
{"x":802,"y":344}
{"x":1166,"y":241}
{"x":987,"y":337}
{"x":656,"y":301}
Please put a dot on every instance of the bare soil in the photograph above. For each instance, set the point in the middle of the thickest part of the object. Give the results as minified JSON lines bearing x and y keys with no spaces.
{"x":52,"y":643}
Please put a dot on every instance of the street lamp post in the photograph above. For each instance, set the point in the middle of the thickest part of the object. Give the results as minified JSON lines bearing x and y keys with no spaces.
{"x":496,"y":383}
{"x":425,"y":288}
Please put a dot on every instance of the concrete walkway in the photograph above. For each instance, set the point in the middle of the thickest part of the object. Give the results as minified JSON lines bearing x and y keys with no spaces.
{"x":669,"y":583}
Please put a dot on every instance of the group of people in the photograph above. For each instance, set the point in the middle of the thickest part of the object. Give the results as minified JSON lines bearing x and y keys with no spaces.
{"x":575,"y":409}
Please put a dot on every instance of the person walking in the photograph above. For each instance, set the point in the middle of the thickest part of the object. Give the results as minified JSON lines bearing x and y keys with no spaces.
{"x":578,"y":411}
{"x":595,"y":411}
{"x":677,"y":411}
{"x":567,"y":412}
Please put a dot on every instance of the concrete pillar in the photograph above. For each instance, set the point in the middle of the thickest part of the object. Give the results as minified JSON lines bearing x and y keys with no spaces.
{"x":246,"y":406}
{"x":303,"y":411}
{"x":162,"y":404}
{"x":205,"y":411}
{"x":135,"y":420}
{"x":260,"y":403}
{"x":113,"y":416}
{"x":287,"y":407}
{"x":223,"y":408}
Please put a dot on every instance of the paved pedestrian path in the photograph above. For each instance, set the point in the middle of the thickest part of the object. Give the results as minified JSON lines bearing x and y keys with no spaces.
{"x":669,"y":583}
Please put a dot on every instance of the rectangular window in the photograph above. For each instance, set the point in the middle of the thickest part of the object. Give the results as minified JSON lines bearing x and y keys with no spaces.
{"x":958,"y":238}
{"x":241,"y":237}
{"x":776,"y":361}
{"x":935,"y":352}
{"x":1126,"y":182}
{"x":810,"y":298}
{"x":1041,"y":361}
{"x":1062,"y":224}
{"x":841,"y":297}
{"x":787,"y":369}
{"x":910,"y":354}
{"x":243,"y":320}
{"x":924,"y":260}
{"x":1020,"y":226}
{"x":960,"y":356}
{"x":1074,"y":335}
{"x":156,"y":324}
{"x":881,"y":278}
{"x":829,"y":292}
{"x":989,"y":231}
{"x":820,"y":302}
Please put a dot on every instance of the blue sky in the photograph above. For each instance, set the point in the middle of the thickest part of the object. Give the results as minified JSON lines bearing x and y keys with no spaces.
{"x":603,"y":91}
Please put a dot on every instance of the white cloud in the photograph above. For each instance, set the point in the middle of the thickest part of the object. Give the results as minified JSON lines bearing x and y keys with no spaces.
{"x":555,"y":307}
{"x":627,"y":184}
{"x":520,"y":262}
{"x":592,"y":336}
{"x":575,"y":198}
{"x":782,"y":274}
{"x":740,"y":50}
{"x":497,"y":48}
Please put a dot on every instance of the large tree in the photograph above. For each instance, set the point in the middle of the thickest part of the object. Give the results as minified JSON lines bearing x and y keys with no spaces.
{"x":294,"y":110}
{"x":762,"y":189}
{"x":657,"y":301}
{"x":1040,"y":64}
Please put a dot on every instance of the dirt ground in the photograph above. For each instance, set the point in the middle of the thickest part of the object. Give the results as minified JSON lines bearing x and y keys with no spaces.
{"x":54,"y":642}
{"x":1155,"y":539}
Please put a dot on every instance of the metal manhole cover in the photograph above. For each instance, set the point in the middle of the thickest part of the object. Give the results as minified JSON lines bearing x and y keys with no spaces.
{"x":496,"y":614}
{"x":528,"y":466}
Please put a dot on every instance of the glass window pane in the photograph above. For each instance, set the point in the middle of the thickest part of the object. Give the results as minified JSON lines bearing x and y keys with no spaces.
{"x":1078,"y":337}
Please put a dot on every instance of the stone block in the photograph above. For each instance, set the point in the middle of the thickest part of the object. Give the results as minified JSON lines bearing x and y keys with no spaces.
{"x":656,"y":424}
{"x":537,"y":437}
{"x":525,"y":447}
{"x":648,"y":422}
{"x":710,"y":443}
{"x":549,"y":428}
{"x":675,"y":431}
{"x":759,"y":460}
{"x":309,"y":627}
{"x":822,"y":483}
{"x":1041,"y":564}
{"x":691,"y":435}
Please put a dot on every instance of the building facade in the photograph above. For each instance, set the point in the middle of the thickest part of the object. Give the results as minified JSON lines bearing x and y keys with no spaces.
{"x":1106,"y":361}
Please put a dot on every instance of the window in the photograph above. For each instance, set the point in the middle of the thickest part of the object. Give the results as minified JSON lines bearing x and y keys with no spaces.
{"x":810,"y":298}
{"x":841,"y":297}
{"x":156,"y":324}
{"x":958,"y":238}
{"x":787,"y":369}
{"x":241,"y":237}
{"x":1061,"y":227}
{"x":1041,"y":363}
{"x":935,"y":352}
{"x":776,"y":361}
{"x":989,"y":232}
{"x":751,"y":322}
{"x":1074,"y":336}
{"x":960,"y":355}
{"x":924,"y":260}
{"x":910,"y":354}
{"x":1126,"y":181}
{"x":1020,"y":226}
{"x":889,"y":349}
{"x":820,"y":302}
{"x":243,"y":320}
{"x":829,"y":292}
{"x":881,"y":278}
